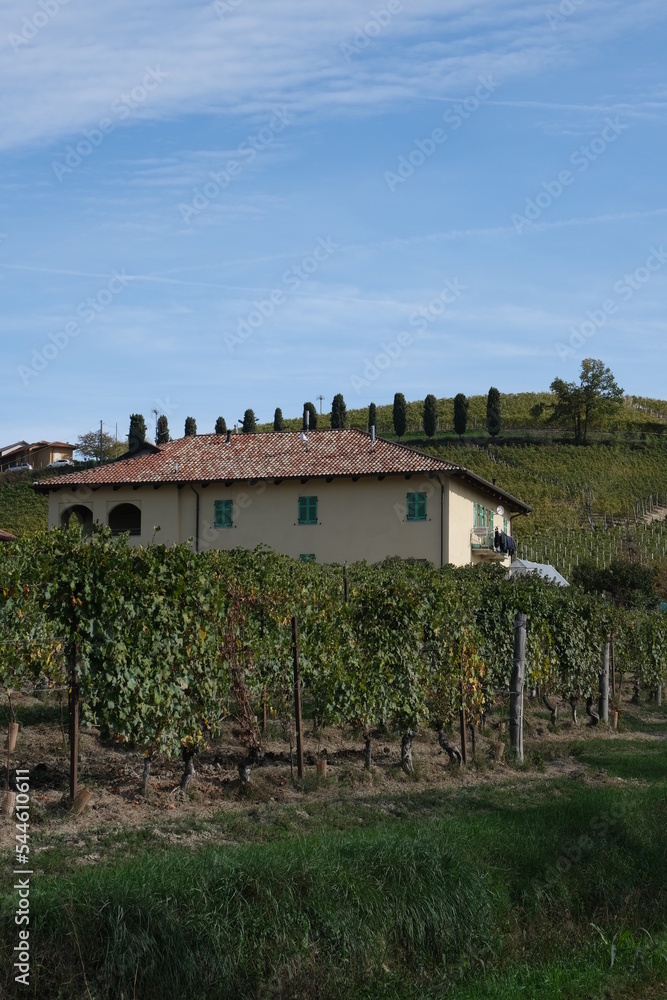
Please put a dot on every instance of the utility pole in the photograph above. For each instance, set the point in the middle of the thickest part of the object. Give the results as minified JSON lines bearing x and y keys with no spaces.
{"x":320,"y":399}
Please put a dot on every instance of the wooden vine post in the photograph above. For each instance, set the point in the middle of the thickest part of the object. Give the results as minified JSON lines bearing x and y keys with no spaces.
{"x":73,"y":723}
{"x":462,"y":726}
{"x":297,"y":697}
{"x":516,"y":687}
{"x":603,"y":710}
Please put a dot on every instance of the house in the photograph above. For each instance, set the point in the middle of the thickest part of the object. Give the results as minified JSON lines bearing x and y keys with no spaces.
{"x":38,"y":455}
{"x":334,"y":496}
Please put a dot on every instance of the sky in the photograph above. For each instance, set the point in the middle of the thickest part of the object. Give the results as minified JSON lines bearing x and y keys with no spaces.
{"x":206,"y":207}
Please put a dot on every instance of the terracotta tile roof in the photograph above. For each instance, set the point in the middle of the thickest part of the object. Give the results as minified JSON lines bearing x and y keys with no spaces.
{"x":208,"y":458}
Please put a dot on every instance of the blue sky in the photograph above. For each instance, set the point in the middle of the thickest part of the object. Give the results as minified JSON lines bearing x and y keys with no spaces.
{"x":209,"y":207}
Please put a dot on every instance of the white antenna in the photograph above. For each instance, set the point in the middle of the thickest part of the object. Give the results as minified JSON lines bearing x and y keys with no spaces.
{"x":372,"y":436}
{"x":307,"y":419}
{"x":175,"y":468}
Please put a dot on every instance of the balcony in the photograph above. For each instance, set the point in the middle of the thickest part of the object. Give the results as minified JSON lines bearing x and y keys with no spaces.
{"x":481,"y":543}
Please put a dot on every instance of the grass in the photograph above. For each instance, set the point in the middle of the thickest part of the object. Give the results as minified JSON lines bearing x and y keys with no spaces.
{"x":484,"y":891}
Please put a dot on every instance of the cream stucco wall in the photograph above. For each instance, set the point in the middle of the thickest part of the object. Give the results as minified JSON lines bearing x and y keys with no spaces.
{"x":358,"y":520}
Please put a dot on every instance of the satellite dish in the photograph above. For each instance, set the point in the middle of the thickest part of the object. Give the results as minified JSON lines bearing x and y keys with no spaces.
{"x":500,"y":509}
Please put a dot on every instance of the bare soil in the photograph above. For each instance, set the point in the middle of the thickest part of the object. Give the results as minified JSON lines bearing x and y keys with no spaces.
{"x":114,"y":772}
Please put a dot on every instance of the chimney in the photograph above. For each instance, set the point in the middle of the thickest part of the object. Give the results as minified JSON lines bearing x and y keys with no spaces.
{"x":229,"y":437}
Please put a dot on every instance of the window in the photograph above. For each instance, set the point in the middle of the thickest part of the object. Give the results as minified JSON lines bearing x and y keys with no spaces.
{"x":416,"y":507}
{"x":480,"y":515}
{"x":505,"y":525}
{"x":125,"y":517}
{"x":307,"y":557}
{"x":307,"y":510}
{"x":491,"y":513}
{"x":223,"y":514}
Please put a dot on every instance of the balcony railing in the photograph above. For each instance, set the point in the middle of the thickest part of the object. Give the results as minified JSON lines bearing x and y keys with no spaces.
{"x":481,"y":542}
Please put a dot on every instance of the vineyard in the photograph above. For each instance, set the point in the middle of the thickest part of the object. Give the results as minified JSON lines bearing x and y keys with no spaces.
{"x":161,"y":646}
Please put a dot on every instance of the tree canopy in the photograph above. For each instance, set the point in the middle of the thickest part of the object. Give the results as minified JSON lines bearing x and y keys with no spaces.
{"x":312,"y":416}
{"x":221,"y":426}
{"x":581,"y":405}
{"x":137,"y":433}
{"x":493,"y":412}
{"x":430,"y":415}
{"x":190,"y":427}
{"x":460,"y":413}
{"x":89,"y":445}
{"x":278,"y":423}
{"x":162,"y":435}
{"x":249,"y":422}
{"x":338,"y":412}
{"x":399,"y":414}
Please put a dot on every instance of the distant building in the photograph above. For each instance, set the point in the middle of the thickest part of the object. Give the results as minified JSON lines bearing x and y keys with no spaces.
{"x":338,"y":496}
{"x":38,"y":455}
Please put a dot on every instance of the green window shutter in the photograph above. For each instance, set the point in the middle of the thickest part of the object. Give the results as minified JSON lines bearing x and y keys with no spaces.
{"x":223,"y":514}
{"x":307,"y":510}
{"x":491,"y":513}
{"x":505,"y":525}
{"x":480,"y":515}
{"x":416,"y":507}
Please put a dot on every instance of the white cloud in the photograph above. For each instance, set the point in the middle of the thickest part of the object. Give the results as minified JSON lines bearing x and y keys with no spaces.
{"x":78,"y":64}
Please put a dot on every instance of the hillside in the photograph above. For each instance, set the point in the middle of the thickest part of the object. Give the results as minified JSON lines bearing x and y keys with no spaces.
{"x":595,"y":501}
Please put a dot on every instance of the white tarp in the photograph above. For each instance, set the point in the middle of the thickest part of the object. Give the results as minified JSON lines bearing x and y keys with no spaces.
{"x":522,"y":567}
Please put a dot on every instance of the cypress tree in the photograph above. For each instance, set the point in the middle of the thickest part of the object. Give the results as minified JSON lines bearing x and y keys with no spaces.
{"x":312,"y":416}
{"x":399,"y":414}
{"x":460,"y":414}
{"x":493,"y":412}
{"x":430,"y":415}
{"x":372,"y":417}
{"x":278,"y":420}
{"x":137,"y":433}
{"x":249,"y":424}
{"x":221,"y":426}
{"x":162,"y":436}
{"x":190,"y":427}
{"x":338,"y":412}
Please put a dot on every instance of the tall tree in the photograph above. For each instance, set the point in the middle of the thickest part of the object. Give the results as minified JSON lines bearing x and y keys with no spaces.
{"x":430,"y":415}
{"x":220,"y":426}
{"x":162,"y":434}
{"x":460,"y":414}
{"x":89,"y":445}
{"x":312,"y":416}
{"x":584,"y":404}
{"x":278,"y":421}
{"x":372,"y":416}
{"x":338,"y":412}
{"x":137,"y":433}
{"x":493,"y":412}
{"x":190,"y":427}
{"x":249,"y":422}
{"x":400,"y":414}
